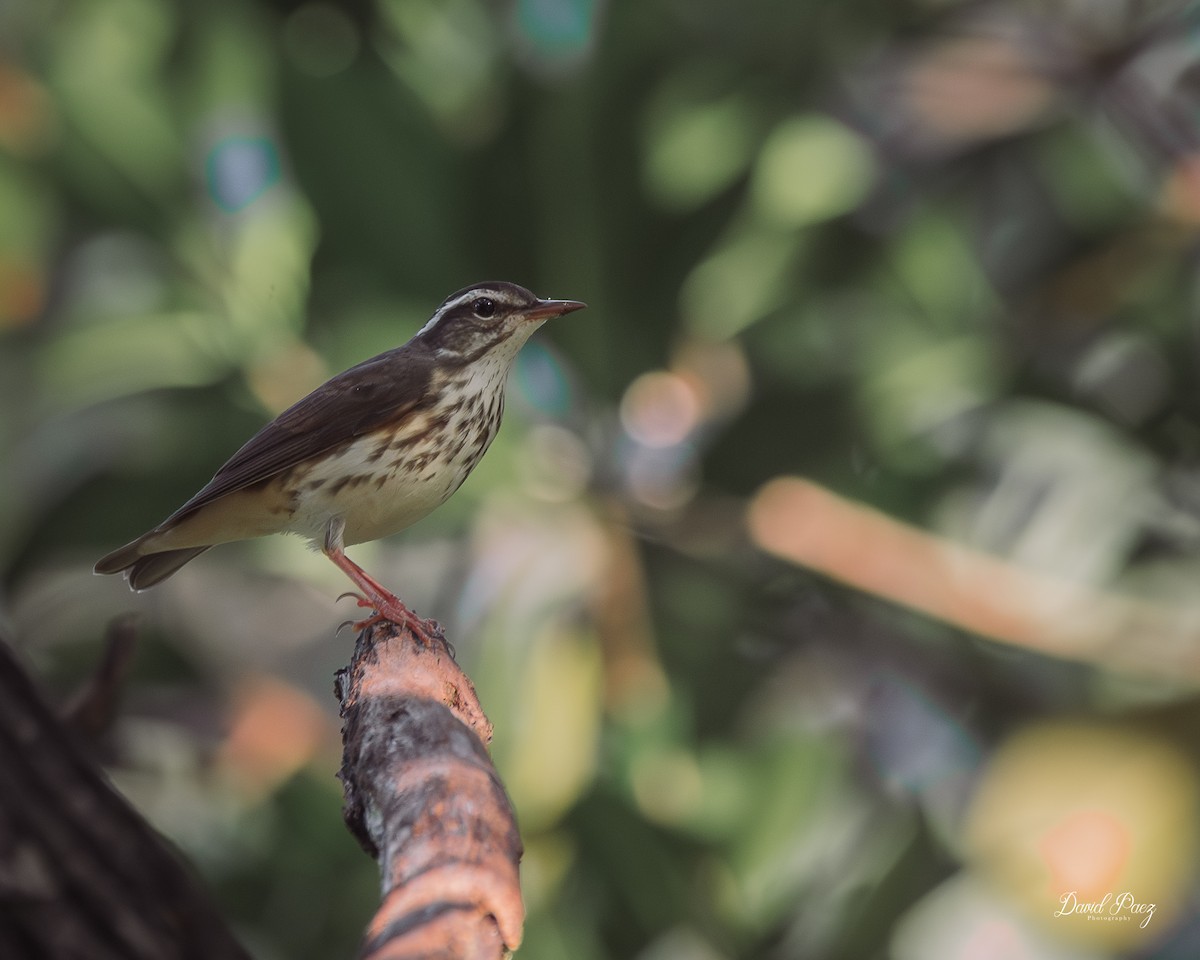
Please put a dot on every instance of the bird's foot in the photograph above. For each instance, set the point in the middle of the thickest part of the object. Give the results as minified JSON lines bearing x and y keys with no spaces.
{"x":388,"y":607}
{"x":393,"y":610}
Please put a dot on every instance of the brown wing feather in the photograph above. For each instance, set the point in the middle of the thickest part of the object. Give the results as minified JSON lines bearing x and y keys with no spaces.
{"x":354,"y":402}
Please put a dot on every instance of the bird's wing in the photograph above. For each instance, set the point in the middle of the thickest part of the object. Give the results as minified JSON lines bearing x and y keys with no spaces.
{"x":354,"y":402}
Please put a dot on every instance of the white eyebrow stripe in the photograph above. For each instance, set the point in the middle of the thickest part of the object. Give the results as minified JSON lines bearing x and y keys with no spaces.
{"x":499,"y":296}
{"x":430,"y":323}
{"x":445,"y":308}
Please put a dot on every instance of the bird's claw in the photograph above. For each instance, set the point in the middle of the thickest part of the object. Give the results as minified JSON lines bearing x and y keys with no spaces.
{"x":432,"y":628}
{"x":372,"y":620}
{"x":362,"y":601}
{"x":423,"y":631}
{"x":358,"y":626}
{"x":398,"y":614}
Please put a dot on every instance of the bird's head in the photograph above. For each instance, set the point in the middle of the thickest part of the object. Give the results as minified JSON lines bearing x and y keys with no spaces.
{"x":488,"y":316}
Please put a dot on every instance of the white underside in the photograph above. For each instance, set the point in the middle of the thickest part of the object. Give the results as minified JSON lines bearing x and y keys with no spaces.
{"x":371,"y":510}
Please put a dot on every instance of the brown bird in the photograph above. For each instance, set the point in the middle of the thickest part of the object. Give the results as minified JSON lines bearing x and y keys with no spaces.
{"x":366,"y":454}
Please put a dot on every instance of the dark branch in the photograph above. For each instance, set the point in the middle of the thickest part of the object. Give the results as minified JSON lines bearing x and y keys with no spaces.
{"x":91,"y":711}
{"x":81,"y":873}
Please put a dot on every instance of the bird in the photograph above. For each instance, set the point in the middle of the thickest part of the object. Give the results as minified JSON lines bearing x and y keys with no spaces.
{"x":366,"y":454}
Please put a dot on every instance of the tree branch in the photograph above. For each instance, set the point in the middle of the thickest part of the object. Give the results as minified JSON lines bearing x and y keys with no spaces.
{"x":422,"y":796}
{"x":82,"y":875}
{"x":809,"y":525}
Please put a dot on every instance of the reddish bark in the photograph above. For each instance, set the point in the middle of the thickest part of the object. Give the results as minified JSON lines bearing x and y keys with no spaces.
{"x":422,"y":796}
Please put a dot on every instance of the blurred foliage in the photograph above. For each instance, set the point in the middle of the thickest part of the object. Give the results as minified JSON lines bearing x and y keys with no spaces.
{"x":937,"y":255}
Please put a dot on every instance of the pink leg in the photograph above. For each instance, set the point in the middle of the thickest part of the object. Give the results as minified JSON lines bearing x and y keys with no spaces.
{"x":387,"y":605}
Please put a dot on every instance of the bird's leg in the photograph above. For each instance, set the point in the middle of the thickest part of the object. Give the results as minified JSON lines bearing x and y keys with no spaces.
{"x":387,"y":605}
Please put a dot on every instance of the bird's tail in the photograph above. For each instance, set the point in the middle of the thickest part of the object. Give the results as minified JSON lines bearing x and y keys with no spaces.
{"x":144,"y":571}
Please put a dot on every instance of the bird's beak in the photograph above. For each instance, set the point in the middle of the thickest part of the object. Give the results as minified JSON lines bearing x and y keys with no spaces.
{"x":544,"y":309}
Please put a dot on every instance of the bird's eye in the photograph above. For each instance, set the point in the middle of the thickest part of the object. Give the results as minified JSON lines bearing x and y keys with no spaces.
{"x":484,"y":307}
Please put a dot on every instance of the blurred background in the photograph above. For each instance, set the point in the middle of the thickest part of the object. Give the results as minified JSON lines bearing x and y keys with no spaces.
{"x":832,"y":585}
